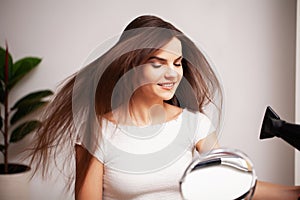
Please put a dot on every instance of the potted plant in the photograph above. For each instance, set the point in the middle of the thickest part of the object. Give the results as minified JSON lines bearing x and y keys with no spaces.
{"x":14,"y":121}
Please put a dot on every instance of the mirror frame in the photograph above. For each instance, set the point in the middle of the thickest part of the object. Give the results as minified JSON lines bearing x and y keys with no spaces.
{"x":223,"y":156}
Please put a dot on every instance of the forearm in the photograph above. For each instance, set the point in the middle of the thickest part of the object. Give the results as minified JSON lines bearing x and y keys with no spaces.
{"x":270,"y":191}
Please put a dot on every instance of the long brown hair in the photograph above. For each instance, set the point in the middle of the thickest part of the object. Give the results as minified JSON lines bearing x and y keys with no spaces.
{"x":86,"y":96}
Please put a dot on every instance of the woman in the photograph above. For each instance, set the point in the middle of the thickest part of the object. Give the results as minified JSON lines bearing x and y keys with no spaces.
{"x":136,"y":114}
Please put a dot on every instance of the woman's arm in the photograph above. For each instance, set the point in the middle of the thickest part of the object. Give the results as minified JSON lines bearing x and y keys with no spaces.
{"x":89,"y":175}
{"x":270,"y":191}
{"x":264,"y":190}
{"x":208,"y":143}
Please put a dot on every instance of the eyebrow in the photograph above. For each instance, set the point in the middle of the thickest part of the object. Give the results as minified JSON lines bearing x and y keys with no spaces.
{"x":162,"y":59}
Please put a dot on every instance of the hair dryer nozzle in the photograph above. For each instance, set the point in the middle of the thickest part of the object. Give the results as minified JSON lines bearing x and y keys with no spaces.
{"x":273,"y":126}
{"x":268,"y":129}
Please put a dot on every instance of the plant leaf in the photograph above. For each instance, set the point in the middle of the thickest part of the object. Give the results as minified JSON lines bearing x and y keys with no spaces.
{"x":2,"y":148}
{"x":2,"y":62}
{"x":32,"y":98}
{"x":22,"y":112}
{"x":23,"y":62}
{"x":21,"y":68}
{"x":24,"y":129}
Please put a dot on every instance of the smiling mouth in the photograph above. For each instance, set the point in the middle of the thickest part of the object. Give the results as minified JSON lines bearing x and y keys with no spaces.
{"x":167,"y":86}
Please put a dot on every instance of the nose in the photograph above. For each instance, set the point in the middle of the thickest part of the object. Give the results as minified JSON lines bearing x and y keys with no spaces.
{"x":170,"y":73}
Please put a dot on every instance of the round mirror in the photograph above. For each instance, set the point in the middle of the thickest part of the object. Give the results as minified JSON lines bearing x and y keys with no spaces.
{"x":226,"y":174}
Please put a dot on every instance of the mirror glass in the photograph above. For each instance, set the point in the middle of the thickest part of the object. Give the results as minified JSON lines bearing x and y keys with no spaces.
{"x":220,"y":174}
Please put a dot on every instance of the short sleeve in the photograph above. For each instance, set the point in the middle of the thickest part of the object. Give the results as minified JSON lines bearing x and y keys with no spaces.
{"x":204,"y":127}
{"x":91,"y":142}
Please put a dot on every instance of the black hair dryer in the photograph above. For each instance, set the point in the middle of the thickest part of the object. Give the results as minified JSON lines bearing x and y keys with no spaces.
{"x":274,"y":126}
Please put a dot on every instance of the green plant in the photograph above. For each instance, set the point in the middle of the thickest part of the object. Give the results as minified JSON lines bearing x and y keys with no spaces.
{"x":14,"y":121}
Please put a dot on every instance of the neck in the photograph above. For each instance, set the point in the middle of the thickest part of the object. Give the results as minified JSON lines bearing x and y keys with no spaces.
{"x":146,"y":111}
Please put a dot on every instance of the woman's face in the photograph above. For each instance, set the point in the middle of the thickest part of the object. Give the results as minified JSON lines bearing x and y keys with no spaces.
{"x":162,"y":73}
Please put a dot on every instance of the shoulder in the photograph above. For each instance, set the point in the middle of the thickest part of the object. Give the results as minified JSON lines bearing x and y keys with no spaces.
{"x":199,"y":119}
{"x":115,"y":116}
{"x":108,"y":116}
{"x":195,"y":114}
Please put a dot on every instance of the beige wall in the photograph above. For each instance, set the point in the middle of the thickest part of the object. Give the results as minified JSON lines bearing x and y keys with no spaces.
{"x":250,"y":42}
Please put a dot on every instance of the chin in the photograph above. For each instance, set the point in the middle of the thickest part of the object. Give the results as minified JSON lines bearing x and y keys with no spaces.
{"x":167,"y":97}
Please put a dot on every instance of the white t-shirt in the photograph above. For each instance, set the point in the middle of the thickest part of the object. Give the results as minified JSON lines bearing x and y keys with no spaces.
{"x":148,"y":162}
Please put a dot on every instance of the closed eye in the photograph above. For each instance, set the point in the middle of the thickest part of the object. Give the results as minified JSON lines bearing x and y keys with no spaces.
{"x":158,"y":61}
{"x":177,"y":64}
{"x":156,"y":65}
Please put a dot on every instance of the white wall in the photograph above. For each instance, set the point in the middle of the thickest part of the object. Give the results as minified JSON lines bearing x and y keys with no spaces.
{"x":251,"y":43}
{"x":256,"y":58}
